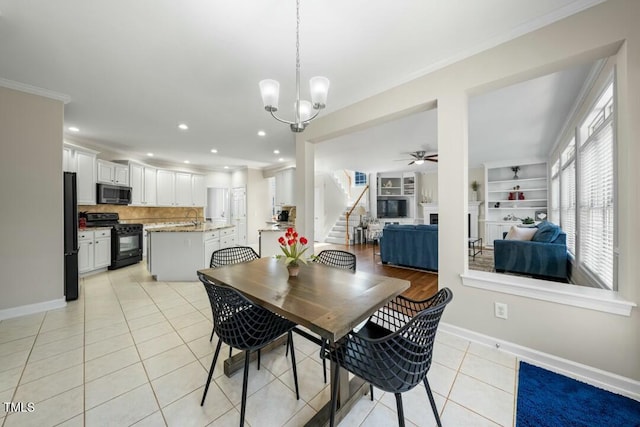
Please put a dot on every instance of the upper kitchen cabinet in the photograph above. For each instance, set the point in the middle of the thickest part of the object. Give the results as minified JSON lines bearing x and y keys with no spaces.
{"x":82,"y":161}
{"x":199,"y":191}
{"x":285,"y":187}
{"x":180,"y":189}
{"x":143,"y":180}
{"x":113,"y":173}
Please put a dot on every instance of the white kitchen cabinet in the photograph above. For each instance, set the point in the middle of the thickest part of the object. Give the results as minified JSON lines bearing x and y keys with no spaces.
{"x":102,"y":249}
{"x":211,"y":244}
{"x":166,"y":187}
{"x":183,"y":196}
{"x":285,"y":187}
{"x":112,"y":173}
{"x":86,"y":177}
{"x":67,"y":159}
{"x":94,"y":250}
{"x":180,"y":189}
{"x":198,"y":190}
{"x":143,"y":185}
{"x":228,"y":237}
{"x":85,"y":251}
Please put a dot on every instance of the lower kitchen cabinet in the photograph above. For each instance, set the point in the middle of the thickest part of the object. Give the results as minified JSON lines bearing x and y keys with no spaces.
{"x":94,"y":250}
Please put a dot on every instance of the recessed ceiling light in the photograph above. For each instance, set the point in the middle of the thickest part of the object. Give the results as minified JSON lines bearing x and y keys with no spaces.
{"x":150,"y":154}
{"x":261,"y":133}
{"x":226,"y":167}
{"x":281,"y":159}
{"x":276,"y":151}
{"x":74,"y":129}
{"x":183,"y":126}
{"x":213,"y":150}
{"x":187,"y":161}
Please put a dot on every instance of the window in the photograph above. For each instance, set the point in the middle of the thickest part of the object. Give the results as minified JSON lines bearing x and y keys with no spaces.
{"x":585,"y":193}
{"x":360,"y":178}
{"x":555,"y":193}
{"x":568,"y":195}
{"x":597,"y":189}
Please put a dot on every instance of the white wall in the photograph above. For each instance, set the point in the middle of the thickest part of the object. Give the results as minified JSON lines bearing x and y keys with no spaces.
{"x":334,"y":203}
{"x":602,"y":340}
{"x":218,"y":179}
{"x":31,"y":248}
{"x":258,"y":204}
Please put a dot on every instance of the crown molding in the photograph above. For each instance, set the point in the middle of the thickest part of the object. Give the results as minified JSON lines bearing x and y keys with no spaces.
{"x":34,"y":90}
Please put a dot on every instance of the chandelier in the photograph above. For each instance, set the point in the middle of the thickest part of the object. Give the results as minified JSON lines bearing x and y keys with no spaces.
{"x":319,"y":86}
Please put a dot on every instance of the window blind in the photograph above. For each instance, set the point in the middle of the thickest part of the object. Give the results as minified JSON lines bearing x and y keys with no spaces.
{"x":596,"y":204}
{"x":555,"y":193}
{"x":568,"y":204}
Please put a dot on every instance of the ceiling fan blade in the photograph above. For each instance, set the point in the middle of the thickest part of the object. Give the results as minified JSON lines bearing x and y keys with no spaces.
{"x":432,"y":160}
{"x":412,"y":162}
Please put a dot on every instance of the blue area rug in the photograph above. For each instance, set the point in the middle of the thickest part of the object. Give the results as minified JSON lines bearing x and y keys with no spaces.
{"x":549,"y":399}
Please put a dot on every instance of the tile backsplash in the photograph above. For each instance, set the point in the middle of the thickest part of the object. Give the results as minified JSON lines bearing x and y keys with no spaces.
{"x":147,"y":215}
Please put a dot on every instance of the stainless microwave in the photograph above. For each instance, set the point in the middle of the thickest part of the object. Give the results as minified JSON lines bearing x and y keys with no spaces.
{"x":113,"y":194}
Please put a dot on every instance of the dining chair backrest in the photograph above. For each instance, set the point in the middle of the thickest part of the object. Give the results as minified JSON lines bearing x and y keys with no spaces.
{"x":337,"y":258}
{"x":240,"y":323}
{"x":403,"y":357}
{"x":232,"y":255}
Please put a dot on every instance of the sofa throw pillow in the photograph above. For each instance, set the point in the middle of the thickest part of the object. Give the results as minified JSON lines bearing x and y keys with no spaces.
{"x":547,"y":233}
{"x":520,"y":233}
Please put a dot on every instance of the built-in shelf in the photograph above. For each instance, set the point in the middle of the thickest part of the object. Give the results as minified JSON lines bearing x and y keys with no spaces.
{"x":500,"y":182}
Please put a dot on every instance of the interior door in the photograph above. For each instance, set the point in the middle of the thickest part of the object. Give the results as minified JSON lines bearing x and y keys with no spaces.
{"x":239,"y":213}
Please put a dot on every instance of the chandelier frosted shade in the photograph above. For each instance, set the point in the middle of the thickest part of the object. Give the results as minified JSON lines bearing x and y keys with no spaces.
{"x":270,"y":90}
{"x":319,"y":87}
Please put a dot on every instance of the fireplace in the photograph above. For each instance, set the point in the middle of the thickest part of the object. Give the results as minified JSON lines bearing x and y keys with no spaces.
{"x":430,"y":211}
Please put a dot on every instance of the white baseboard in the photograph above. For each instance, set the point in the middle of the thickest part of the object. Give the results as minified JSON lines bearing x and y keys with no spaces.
{"x":597,"y":377}
{"x":39,"y":307}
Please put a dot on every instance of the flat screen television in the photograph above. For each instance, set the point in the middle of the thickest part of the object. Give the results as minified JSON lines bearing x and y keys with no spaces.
{"x":392,"y":208}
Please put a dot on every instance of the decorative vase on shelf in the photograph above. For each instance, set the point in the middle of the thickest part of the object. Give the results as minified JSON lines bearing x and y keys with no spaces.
{"x":293,"y":269}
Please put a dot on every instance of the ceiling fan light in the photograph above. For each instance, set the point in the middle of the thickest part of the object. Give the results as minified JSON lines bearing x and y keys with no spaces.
{"x":419,"y":162}
{"x":270,"y":91}
{"x":319,"y":87}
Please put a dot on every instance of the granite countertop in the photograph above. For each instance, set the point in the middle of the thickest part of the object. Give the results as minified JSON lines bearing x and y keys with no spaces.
{"x":82,"y":230}
{"x":279,"y":226}
{"x":205,"y":226}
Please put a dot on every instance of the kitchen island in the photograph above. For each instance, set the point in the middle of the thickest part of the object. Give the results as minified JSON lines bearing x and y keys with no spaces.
{"x":175,"y":253}
{"x":269,"y":236}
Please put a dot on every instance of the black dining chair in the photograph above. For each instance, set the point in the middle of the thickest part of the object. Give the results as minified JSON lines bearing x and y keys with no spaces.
{"x":337,"y":258}
{"x":232,"y":255}
{"x":243,"y":325}
{"x":393,"y":350}
{"x":229,"y":256}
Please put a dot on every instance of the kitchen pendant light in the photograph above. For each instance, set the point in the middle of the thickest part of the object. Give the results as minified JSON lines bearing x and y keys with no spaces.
{"x":303,"y":110}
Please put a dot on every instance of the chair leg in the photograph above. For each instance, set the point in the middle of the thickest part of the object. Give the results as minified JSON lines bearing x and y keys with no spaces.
{"x":324,"y":361}
{"x":243,"y":405}
{"x":212,"y":332}
{"x":432,"y":401}
{"x":213,"y":365}
{"x":371,"y":391}
{"x":258,"y":359}
{"x":293,"y":362}
{"x":400,"y":410}
{"x":334,"y":395}
{"x":286,"y":352}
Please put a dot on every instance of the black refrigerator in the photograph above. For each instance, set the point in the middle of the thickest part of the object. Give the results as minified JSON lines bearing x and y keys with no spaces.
{"x":70,"y":237}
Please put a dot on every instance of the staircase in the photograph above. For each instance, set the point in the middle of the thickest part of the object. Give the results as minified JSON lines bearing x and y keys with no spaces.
{"x":337,"y":234}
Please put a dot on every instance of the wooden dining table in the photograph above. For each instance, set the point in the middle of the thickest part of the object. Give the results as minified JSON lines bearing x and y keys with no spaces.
{"x":329,"y":302}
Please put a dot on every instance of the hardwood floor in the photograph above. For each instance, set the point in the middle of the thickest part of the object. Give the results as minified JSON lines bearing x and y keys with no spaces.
{"x":423,"y":284}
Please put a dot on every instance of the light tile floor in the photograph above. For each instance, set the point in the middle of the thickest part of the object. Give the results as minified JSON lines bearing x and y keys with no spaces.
{"x":132,"y":351}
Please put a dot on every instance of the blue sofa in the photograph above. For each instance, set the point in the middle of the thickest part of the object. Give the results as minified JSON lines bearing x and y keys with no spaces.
{"x":410,"y":245}
{"x":544,"y":256}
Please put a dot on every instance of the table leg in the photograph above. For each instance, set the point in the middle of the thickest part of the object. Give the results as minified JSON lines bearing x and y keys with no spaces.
{"x":349,"y":394}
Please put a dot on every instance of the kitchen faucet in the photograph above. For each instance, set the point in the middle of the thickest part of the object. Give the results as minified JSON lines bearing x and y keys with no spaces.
{"x":195,"y":222}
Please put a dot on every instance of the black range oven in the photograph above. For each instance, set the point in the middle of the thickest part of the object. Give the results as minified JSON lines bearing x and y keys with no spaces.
{"x":126,"y":239}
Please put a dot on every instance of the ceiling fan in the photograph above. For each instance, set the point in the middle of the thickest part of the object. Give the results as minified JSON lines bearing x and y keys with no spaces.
{"x":419,"y":157}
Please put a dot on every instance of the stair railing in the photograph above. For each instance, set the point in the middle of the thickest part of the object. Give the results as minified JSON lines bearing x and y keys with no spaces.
{"x":350,"y":211}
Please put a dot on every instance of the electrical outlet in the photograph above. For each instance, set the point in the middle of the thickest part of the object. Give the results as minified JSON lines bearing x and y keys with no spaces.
{"x":500,"y":310}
